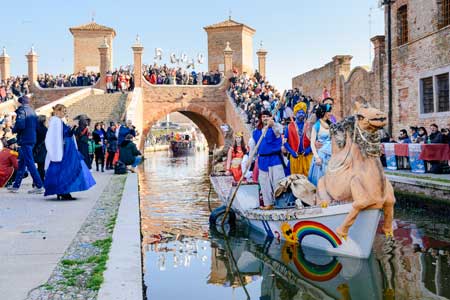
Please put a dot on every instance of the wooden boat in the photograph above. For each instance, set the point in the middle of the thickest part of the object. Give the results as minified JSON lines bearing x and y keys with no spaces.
{"x":310,"y":226}
{"x":180,"y":148}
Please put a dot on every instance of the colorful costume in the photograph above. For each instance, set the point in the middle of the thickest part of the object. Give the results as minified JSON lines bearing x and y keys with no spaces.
{"x":322,"y":136}
{"x":66,"y":168}
{"x":298,"y":143}
{"x":8,"y":165}
{"x":270,"y":161}
{"x":234,"y":162}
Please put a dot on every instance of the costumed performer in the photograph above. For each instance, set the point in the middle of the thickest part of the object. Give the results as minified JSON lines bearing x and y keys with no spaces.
{"x":297,"y":142}
{"x":67,"y":171}
{"x":320,"y":133}
{"x":235,"y":157}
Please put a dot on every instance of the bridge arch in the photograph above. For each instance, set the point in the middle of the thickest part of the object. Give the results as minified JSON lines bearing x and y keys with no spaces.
{"x":206,"y":120}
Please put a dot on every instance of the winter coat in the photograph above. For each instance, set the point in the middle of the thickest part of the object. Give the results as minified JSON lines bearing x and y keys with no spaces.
{"x":128,"y":152}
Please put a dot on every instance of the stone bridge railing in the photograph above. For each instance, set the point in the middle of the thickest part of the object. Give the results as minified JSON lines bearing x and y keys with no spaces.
{"x":68,"y":100}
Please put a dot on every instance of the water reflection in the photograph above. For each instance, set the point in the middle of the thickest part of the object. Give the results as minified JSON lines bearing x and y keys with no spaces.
{"x":183,"y":260}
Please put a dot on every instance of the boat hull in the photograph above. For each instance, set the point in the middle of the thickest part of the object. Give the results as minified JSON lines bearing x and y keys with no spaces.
{"x":312,"y":227}
{"x":180,"y":148}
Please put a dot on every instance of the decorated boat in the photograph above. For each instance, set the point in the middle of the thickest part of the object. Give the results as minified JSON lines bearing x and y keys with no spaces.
{"x":312,"y":227}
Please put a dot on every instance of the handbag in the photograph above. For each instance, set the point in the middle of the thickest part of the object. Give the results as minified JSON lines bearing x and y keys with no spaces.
{"x":120,"y":168}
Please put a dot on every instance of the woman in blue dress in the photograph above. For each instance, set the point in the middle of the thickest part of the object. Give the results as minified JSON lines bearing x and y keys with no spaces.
{"x":320,"y":134}
{"x":66,"y":171}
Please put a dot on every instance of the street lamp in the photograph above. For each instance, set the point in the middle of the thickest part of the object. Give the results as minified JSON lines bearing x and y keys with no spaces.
{"x":389,"y":3}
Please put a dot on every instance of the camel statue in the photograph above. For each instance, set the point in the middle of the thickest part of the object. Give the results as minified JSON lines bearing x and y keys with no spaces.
{"x":354,"y":171}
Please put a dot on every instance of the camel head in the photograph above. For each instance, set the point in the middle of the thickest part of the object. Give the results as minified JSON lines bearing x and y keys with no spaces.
{"x":369,"y":118}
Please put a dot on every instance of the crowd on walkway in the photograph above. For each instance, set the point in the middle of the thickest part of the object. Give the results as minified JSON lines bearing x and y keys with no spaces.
{"x":156,"y":74}
{"x":59,"y":157}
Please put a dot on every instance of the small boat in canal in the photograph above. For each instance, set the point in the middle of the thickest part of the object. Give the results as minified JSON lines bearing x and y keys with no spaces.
{"x":311,"y":226}
{"x":181,"y":147}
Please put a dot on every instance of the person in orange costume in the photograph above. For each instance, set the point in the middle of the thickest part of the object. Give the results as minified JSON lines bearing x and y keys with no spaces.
{"x":235,"y":157}
{"x":8,"y":162}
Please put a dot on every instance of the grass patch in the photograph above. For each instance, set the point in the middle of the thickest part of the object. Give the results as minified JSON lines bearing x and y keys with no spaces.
{"x":418,"y":177}
{"x":95,"y":280}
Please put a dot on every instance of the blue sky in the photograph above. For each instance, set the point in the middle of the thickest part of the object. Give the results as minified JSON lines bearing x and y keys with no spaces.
{"x":299,"y":35}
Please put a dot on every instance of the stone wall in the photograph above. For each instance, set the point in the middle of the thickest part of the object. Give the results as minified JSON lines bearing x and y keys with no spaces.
{"x":86,"y":53}
{"x":41,"y":96}
{"x":426,"y":54}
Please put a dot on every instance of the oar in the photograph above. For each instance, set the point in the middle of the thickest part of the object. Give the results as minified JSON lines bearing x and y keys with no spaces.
{"x":250,"y":159}
{"x":210,"y":183}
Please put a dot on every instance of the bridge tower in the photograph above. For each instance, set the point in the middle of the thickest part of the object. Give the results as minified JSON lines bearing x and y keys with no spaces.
{"x":240,"y":38}
{"x":87,"y":39}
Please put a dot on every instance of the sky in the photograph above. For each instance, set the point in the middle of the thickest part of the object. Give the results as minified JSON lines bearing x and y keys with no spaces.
{"x":299,"y":35}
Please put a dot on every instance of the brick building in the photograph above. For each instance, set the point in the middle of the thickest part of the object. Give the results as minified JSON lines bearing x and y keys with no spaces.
{"x":86,"y":40}
{"x":240,"y":37}
{"x":420,"y":68}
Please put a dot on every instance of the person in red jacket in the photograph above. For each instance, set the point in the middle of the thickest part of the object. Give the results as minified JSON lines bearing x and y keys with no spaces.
{"x":8,"y":162}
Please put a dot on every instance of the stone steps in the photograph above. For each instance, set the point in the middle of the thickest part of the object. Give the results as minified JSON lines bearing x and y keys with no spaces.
{"x":105,"y":107}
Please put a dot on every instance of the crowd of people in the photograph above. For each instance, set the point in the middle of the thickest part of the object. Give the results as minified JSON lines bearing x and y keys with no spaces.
{"x":71,"y":80}
{"x":298,"y":139}
{"x":14,"y":87}
{"x":59,"y":157}
{"x":155,"y":74}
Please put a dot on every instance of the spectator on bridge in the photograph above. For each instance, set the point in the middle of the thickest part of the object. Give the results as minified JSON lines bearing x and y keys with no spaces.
{"x":414,"y":133}
{"x":66,"y":171}
{"x":129,"y":154}
{"x":25,"y":128}
{"x":8,"y":162}
{"x":109,"y":83}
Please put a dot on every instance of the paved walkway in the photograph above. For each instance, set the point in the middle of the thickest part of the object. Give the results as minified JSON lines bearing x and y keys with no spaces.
{"x":408,"y":172}
{"x":34,"y":233}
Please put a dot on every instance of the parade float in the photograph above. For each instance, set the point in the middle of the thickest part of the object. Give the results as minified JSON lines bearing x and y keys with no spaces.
{"x":341,"y":216}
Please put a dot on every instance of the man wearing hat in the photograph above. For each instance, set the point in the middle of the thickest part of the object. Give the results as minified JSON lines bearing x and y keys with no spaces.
{"x":270,"y":158}
{"x":8,"y":162}
{"x":25,"y":128}
{"x":297,"y":142}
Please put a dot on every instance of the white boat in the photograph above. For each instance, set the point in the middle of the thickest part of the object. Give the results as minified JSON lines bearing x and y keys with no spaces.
{"x":313,"y":227}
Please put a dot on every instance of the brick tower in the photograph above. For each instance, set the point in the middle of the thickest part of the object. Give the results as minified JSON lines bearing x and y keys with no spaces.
{"x":87,"y":39}
{"x":240,"y":37}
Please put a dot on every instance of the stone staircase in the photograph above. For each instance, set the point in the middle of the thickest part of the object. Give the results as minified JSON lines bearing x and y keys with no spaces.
{"x":105,"y":107}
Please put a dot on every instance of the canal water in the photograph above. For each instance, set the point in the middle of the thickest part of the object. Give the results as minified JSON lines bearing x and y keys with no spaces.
{"x":183,"y":259}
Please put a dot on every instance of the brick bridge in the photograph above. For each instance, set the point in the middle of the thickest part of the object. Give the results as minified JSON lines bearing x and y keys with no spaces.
{"x":208,"y":107}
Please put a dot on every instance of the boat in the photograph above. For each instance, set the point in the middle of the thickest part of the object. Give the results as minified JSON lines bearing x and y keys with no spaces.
{"x":180,"y":148}
{"x":312,"y":227}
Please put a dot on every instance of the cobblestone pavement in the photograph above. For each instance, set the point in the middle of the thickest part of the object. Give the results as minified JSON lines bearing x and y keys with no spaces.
{"x":36,"y":231}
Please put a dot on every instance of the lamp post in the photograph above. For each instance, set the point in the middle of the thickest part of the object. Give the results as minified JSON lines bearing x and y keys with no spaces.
{"x":389,"y":3}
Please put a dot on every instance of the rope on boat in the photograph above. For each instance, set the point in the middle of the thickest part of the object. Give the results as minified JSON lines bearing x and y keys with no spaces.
{"x":250,"y":158}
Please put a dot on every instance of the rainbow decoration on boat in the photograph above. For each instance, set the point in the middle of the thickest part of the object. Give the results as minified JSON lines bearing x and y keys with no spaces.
{"x":305,"y":228}
{"x":316,"y":272}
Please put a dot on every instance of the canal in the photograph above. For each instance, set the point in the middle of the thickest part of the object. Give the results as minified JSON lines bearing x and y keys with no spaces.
{"x":183,"y":259}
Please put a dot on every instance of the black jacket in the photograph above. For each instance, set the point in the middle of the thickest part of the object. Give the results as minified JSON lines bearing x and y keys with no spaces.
{"x":128,"y":152}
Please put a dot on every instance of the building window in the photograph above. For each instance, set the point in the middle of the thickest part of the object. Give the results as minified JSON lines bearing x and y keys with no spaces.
{"x":444,"y":13}
{"x":427,"y":96}
{"x":443,"y":101}
{"x":402,"y":25}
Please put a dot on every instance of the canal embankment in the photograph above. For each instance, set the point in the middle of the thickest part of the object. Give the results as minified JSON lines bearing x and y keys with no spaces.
{"x":428,"y":187}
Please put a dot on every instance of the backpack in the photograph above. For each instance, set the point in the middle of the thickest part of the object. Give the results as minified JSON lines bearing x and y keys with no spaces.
{"x":120,"y":168}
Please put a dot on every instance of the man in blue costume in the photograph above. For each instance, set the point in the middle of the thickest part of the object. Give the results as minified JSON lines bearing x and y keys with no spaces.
{"x":25,"y":127}
{"x":270,"y":159}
